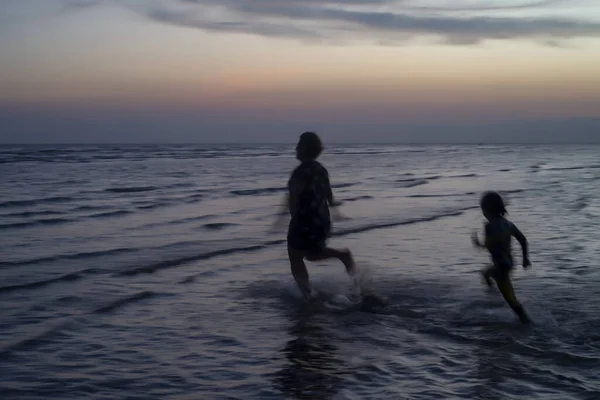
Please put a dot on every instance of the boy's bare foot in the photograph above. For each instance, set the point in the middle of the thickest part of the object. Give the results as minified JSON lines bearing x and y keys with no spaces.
{"x":305,"y":289}
{"x":310,"y":296}
{"x":520,"y":311}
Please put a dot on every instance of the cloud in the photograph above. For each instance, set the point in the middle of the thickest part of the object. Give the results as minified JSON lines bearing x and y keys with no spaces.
{"x":81,"y":3}
{"x":262,"y":28}
{"x":374,"y":20}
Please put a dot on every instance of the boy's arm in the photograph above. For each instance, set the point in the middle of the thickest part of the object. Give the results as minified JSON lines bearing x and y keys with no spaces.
{"x":279,"y":220}
{"x":523,"y":242}
{"x":330,"y":199}
{"x":290,"y":201}
{"x":295,"y":190}
{"x":284,"y":208}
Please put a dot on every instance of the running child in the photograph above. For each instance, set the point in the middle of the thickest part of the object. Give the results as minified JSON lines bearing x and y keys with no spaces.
{"x":498,"y":234}
{"x":308,"y":201}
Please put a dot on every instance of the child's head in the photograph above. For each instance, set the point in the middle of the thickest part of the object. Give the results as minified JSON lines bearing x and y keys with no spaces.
{"x":492,"y":205}
{"x":309,"y":147}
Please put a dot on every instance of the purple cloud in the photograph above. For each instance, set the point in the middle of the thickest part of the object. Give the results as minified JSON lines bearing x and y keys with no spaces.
{"x":376,"y":20}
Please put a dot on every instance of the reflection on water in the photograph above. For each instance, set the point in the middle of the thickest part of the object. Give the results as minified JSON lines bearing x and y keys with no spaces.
{"x":491,"y":370}
{"x":313,"y":369}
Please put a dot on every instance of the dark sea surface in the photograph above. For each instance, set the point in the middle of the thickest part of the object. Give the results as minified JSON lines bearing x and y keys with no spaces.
{"x":149,"y":272}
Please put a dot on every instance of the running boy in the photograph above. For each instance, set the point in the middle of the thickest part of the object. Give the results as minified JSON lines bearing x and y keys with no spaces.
{"x":308,"y":201}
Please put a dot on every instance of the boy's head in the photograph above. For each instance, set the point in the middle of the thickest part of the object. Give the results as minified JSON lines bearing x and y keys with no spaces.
{"x":309,"y":147}
{"x":492,"y":205}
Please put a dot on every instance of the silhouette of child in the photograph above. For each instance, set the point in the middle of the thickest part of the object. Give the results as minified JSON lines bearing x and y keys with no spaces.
{"x":498,"y":233}
{"x":308,"y":201}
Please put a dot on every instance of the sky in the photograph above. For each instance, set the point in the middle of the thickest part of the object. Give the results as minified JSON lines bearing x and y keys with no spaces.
{"x":247,"y":71}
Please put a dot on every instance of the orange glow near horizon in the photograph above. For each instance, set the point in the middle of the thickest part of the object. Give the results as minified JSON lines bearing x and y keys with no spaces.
{"x":137,"y":64}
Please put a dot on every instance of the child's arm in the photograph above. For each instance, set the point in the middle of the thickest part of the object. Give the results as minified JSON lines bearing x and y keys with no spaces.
{"x":523,"y":242}
{"x":289,"y":204}
{"x":475,"y":238}
{"x":330,"y":199}
{"x":296,"y":186}
{"x":279,"y":220}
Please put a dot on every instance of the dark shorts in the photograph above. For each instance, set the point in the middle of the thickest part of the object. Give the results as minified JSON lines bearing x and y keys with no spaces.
{"x":312,"y":238}
{"x":301,"y":243}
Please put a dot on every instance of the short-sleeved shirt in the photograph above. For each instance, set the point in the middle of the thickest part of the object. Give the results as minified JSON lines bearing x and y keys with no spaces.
{"x":310,"y":223}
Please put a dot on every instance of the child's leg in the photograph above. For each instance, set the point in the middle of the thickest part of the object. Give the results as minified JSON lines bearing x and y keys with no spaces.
{"x":506,"y":288}
{"x":299,"y":271}
{"x":487,"y":273}
{"x":345,"y":256}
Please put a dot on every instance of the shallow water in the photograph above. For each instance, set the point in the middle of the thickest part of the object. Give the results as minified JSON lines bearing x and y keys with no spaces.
{"x":150,"y":272}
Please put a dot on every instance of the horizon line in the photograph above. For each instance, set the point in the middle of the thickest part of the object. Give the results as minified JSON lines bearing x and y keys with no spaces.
{"x":560,"y":143}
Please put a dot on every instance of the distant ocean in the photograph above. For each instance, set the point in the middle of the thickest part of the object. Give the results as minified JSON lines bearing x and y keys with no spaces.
{"x":148,"y":272}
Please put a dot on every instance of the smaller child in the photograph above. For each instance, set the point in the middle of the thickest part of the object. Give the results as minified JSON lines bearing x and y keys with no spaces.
{"x":498,"y":233}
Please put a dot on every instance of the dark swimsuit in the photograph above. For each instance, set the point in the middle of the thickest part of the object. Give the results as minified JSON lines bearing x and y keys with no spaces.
{"x":310,"y":225}
{"x":499,"y":231}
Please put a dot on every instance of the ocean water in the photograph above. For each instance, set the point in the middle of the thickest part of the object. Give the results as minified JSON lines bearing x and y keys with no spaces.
{"x":151,"y":272}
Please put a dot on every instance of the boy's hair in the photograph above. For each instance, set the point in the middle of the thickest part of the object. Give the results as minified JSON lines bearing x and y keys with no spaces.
{"x":310,"y":145}
{"x":492,"y":203}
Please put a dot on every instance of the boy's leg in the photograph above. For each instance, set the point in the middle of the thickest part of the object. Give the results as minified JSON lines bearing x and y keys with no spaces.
{"x":345,"y":256}
{"x":299,"y":271}
{"x":487,"y":274}
{"x":506,"y":288}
